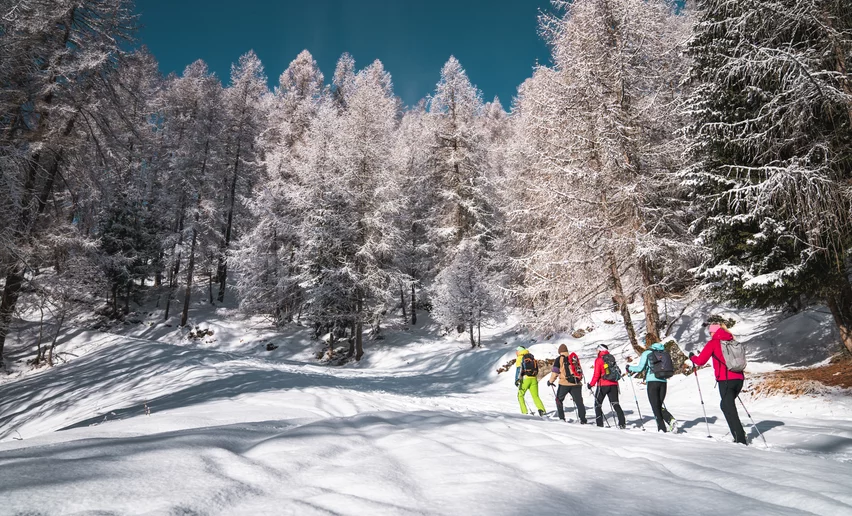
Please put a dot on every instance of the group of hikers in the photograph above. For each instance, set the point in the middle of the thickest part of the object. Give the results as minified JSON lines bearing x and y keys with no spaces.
{"x":655,"y":362}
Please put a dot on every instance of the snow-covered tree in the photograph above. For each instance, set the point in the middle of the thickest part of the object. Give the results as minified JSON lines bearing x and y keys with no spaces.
{"x":769,"y":144}
{"x":243,"y":105}
{"x":593,"y":141}
{"x":56,"y":62}
{"x":459,"y":159}
{"x":464,"y":296}
{"x":267,"y":252}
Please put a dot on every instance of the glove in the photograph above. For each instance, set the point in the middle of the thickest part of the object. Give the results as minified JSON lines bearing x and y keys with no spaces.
{"x":518,"y":382}
{"x":589,"y":386}
{"x":691,"y":354}
{"x":550,"y":384}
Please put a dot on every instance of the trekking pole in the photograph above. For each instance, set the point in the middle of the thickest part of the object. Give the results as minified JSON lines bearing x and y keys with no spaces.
{"x":633,"y":388}
{"x":556,"y":400}
{"x":598,"y":405}
{"x":612,"y":412}
{"x":752,"y":422}
{"x":695,"y":371}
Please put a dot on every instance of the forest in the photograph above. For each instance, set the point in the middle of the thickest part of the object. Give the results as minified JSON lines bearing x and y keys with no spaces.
{"x":665,"y":152}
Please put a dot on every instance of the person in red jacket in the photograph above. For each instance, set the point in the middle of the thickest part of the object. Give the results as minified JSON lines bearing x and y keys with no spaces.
{"x":606,"y":388}
{"x":730,"y":382}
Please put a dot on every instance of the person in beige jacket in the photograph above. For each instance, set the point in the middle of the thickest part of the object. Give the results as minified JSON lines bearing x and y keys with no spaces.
{"x":567,"y":369}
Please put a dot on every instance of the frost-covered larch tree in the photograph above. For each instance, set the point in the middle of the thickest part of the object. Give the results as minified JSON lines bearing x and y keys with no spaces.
{"x":417,"y":253}
{"x":243,"y":105}
{"x":770,"y":144}
{"x":267,"y":251}
{"x":593,"y":138}
{"x":365,"y":150}
{"x":464,"y":296}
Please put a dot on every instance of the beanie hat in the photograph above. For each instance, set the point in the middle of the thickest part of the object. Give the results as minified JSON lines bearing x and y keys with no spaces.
{"x":603,"y":347}
{"x":563,"y":348}
{"x":520,"y":348}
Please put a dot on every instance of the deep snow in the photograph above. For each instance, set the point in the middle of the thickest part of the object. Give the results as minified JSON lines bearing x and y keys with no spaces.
{"x":422,"y":425}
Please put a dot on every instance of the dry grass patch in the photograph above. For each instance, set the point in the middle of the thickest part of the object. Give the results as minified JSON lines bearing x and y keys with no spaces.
{"x":810,"y":381}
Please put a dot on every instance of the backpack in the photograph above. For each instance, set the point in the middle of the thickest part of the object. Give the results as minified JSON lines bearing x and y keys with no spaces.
{"x":611,"y":371}
{"x":734,"y":354}
{"x":660,"y":363}
{"x":571,"y":366}
{"x":529,"y":366}
{"x":574,"y":367}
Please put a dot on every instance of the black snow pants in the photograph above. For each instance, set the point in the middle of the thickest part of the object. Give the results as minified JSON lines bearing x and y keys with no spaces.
{"x":576,"y":392}
{"x":610,"y":391}
{"x":657,"y":397}
{"x":729,"y":390}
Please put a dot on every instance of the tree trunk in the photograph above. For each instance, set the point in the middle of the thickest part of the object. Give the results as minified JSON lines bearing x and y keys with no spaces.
{"x":168,"y":304}
{"x":621,"y":300}
{"x":649,"y":296}
{"x":127,"y":297}
{"x":210,"y":284}
{"x":158,"y":274}
{"x":413,"y":302}
{"x":840,"y":305}
{"x":402,"y":303}
{"x":40,"y":334}
{"x":223,"y":261}
{"x":14,"y":282}
{"x":470,"y":333}
{"x":359,"y":331}
{"x":479,"y":331}
{"x":190,"y":268}
{"x":55,"y":337}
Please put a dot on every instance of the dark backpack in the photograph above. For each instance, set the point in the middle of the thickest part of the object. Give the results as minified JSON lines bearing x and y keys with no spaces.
{"x":660,"y":363}
{"x":611,"y":371}
{"x":529,"y":366}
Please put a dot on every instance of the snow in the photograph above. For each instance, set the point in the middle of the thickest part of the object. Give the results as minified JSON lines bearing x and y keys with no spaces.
{"x":422,"y":425}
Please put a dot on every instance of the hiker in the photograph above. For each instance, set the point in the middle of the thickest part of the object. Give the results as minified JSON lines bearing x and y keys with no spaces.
{"x":656,"y":357}
{"x":526,"y":379}
{"x":730,"y":382}
{"x":606,"y":378}
{"x":567,"y":369}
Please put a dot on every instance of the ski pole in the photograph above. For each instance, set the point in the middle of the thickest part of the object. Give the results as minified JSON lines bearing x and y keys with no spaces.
{"x":612,"y":412}
{"x":695,"y":371}
{"x":599,"y":406}
{"x":556,"y":399}
{"x":633,"y":388}
{"x":752,"y":422}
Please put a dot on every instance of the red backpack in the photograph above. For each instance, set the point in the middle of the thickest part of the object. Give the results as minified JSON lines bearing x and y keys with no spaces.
{"x":574,"y":368}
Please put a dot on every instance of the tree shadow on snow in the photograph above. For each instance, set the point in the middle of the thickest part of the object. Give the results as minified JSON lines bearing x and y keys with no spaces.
{"x":134,"y":365}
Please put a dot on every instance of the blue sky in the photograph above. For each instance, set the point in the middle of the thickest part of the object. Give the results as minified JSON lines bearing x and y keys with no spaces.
{"x":496,"y":40}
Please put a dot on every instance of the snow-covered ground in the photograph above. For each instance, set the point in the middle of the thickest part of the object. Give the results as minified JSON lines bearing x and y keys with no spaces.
{"x":422,"y":425}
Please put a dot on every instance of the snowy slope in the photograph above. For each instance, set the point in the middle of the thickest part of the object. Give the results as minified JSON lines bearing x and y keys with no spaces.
{"x":422,"y":425}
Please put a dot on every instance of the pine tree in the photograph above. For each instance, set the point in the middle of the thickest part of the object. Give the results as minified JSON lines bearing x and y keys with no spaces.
{"x":57,"y":60}
{"x":770,"y":142}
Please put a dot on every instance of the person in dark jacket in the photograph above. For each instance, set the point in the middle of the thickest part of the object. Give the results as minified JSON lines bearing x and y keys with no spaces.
{"x":730,"y":382}
{"x":606,"y":388}
{"x":569,"y":383}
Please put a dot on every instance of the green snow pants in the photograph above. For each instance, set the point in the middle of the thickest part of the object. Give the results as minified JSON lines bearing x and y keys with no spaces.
{"x":529,"y":383}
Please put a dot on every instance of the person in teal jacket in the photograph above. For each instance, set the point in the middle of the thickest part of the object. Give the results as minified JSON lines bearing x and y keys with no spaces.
{"x":656,"y":388}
